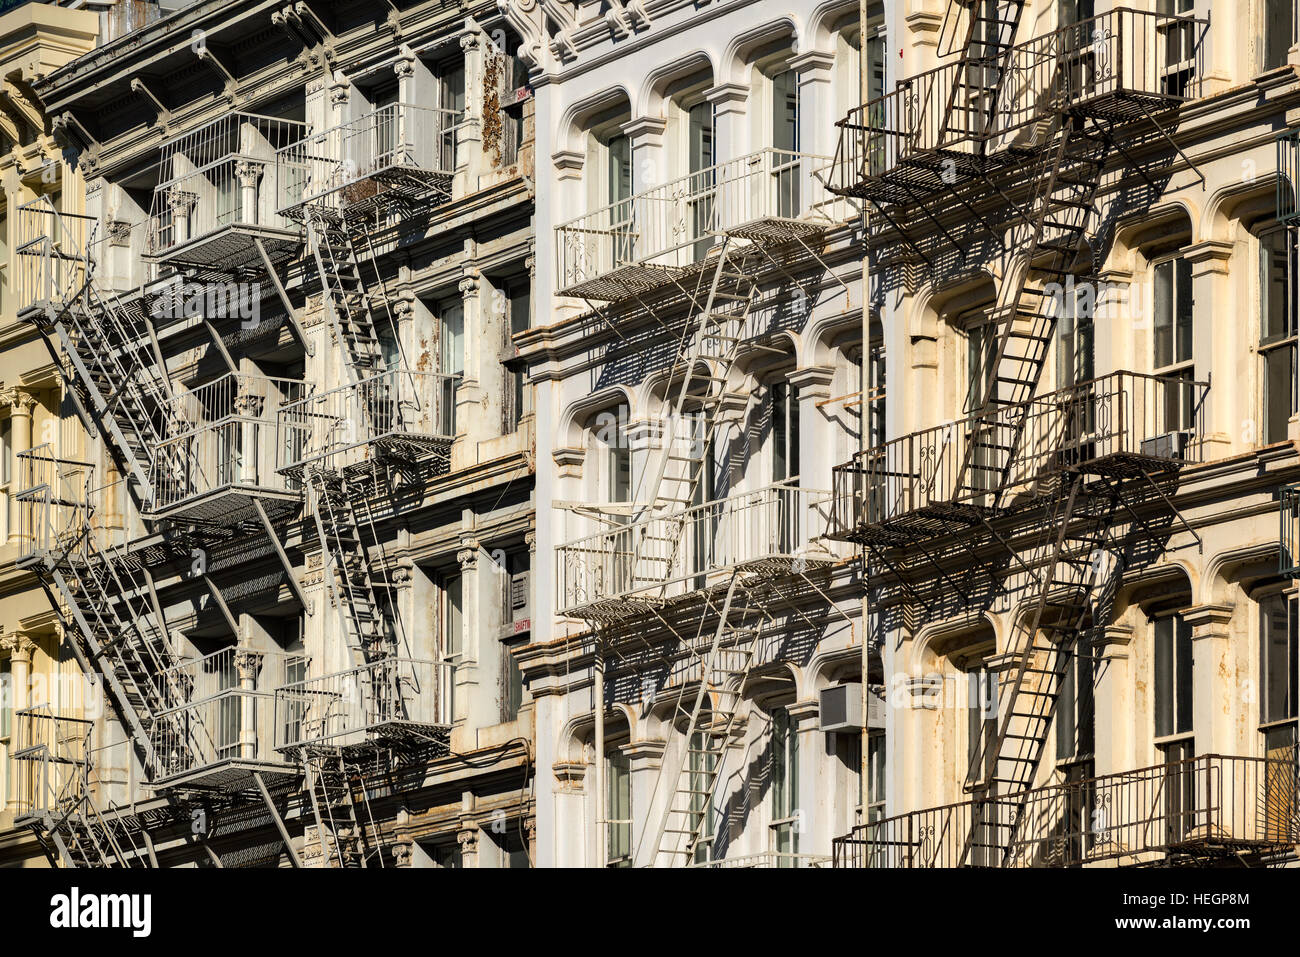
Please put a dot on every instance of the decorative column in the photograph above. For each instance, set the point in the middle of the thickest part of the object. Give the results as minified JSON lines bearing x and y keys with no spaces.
{"x":730,"y":119}
{"x":815,"y":800}
{"x":1217,"y":680}
{"x":248,"y":173}
{"x":21,"y":403}
{"x":813,"y":71}
{"x":1114,"y":308}
{"x":469,"y":140}
{"x":181,"y":202}
{"x":247,"y":665}
{"x":467,"y":677}
{"x":1219,"y":337}
{"x":644,"y":760}
{"x":814,"y":385}
{"x":1113,"y":705}
{"x":650,"y":165}
{"x":468,"y":837}
{"x":340,"y":92}
{"x":21,"y":649}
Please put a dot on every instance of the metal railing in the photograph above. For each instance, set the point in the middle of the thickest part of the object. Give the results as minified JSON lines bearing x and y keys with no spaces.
{"x":397,"y":405}
{"x":50,"y":763}
{"x":1159,"y":420}
{"x":223,"y":716}
{"x":53,"y":252}
{"x":351,"y":707}
{"x":55,"y":501}
{"x":1140,"y":58}
{"x":230,"y":439}
{"x":336,"y":168}
{"x":672,"y":225}
{"x":218,"y":176}
{"x":674,"y":554}
{"x":1199,"y":807}
{"x":767,"y":859}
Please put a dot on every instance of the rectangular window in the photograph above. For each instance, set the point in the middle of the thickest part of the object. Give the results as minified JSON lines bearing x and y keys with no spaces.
{"x":877,"y":60}
{"x":1173,"y":342}
{"x":6,"y":451}
{"x":512,"y":681}
{"x":1074,"y":710}
{"x":1278,"y":666}
{"x":1178,"y":38}
{"x":981,"y":723}
{"x":875,"y":397}
{"x":875,"y":776}
{"x":1173,"y":667}
{"x":295,"y":671}
{"x":518,"y":304}
{"x":700,"y":158}
{"x":1277,"y":331}
{"x":1277,"y":25}
{"x":785,"y":431}
{"x":785,"y":137}
{"x":1074,"y":342}
{"x":785,"y":787}
{"x":451,"y":325}
{"x":618,"y":187}
{"x":452,"y":617}
{"x":618,"y":772}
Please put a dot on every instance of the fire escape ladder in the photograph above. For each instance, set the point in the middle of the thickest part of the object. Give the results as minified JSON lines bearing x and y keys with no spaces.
{"x":982,"y":70}
{"x":1044,"y":645}
{"x":713,"y":338}
{"x":328,"y":783}
{"x":352,"y":586}
{"x":1026,"y":315}
{"x":349,"y":306}
{"x":721,"y":663}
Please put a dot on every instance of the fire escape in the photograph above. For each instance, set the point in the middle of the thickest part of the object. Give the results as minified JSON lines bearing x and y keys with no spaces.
{"x":360,"y":443}
{"x":198,"y":466}
{"x":1052,"y":494}
{"x":706,"y":573}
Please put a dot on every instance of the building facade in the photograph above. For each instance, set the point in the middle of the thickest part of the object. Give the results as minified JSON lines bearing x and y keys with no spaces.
{"x":661,"y":433}
{"x":296,"y":555}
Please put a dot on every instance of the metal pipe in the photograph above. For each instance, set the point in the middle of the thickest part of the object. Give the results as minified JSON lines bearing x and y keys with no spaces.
{"x":598,"y":784}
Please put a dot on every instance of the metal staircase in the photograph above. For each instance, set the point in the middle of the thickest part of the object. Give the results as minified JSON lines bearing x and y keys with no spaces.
{"x":350,"y":306}
{"x":333,"y":788}
{"x":989,"y":37}
{"x":711,"y":725}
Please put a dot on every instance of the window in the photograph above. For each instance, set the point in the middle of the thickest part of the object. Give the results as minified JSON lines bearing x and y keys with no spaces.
{"x":1173,"y":666}
{"x":611,"y":431}
{"x":229,"y":702}
{"x":444,"y":854}
{"x":703,"y":771}
{"x":785,"y":431}
{"x":874,"y":397}
{"x":875,"y":796}
{"x":877,"y":59}
{"x":451,"y":325}
{"x":512,"y":680}
{"x":785,"y":787}
{"x":451,"y":104}
{"x":6,"y":451}
{"x":1074,"y":340}
{"x":785,"y":138}
{"x":452,"y":617}
{"x":518,"y":305}
{"x":1075,"y":710}
{"x":1277,"y":331}
{"x":981,"y":343}
{"x":618,"y":774}
{"x":512,"y":848}
{"x":700,"y":158}
{"x":1274,"y":46}
{"x":1173,"y":341}
{"x":295,"y":671}
{"x":981,"y":723}
{"x":1278,"y":674}
{"x":1178,"y":37}
{"x":618,"y":193}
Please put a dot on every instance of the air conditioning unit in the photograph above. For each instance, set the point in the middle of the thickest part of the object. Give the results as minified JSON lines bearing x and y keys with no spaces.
{"x":841,"y":709}
{"x":1169,"y":445}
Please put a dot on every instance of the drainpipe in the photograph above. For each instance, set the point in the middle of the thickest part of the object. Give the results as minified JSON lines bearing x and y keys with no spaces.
{"x":865,"y":416}
{"x":598,"y":784}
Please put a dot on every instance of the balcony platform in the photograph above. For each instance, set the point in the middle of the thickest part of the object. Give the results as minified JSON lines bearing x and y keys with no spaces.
{"x":231,"y":506}
{"x":232,"y":248}
{"x":233,"y":774}
{"x":623,"y":281}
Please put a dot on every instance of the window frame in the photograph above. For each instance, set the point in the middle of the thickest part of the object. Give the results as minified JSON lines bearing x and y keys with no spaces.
{"x":1271,"y":343}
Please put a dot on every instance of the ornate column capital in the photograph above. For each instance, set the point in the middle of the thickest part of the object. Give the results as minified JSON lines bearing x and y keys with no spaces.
{"x":19,"y":400}
{"x":247,"y":663}
{"x":20,"y":647}
{"x":469,"y":284}
{"x":468,"y":554}
{"x":248,"y":172}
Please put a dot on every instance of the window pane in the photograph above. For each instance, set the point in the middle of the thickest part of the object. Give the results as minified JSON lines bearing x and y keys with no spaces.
{"x":620,"y":169}
{"x":1183,"y":667}
{"x":451,"y":639}
{"x":1279,"y":364}
{"x":1164,"y":667}
{"x":453,"y":337}
{"x":1164,"y":314}
{"x":1065,"y":717}
{"x":1277,"y":659}
{"x":785,"y":112}
{"x":1184,"y":297}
